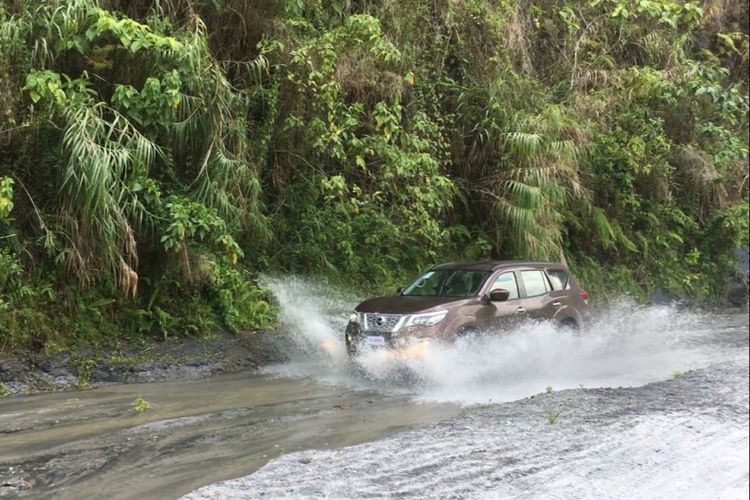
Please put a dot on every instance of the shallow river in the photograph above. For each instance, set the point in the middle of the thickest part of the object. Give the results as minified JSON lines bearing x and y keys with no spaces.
{"x":643,"y":403}
{"x":79,"y":445}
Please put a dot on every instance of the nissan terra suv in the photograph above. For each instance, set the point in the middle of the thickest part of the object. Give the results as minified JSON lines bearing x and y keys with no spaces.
{"x":456,"y":299}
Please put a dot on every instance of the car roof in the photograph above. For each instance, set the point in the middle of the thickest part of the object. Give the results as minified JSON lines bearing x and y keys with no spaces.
{"x":492,"y":265}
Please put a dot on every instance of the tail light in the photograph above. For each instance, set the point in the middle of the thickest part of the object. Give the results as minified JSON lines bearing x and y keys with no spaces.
{"x":584,"y":295}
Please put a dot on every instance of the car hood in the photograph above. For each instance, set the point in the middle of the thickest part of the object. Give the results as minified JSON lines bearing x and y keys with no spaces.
{"x":401,"y":304}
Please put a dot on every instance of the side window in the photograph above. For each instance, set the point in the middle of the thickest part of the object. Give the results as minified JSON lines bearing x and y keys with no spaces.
{"x":558,"y":278}
{"x":463,"y":283}
{"x":535,"y":283}
{"x":507,"y":281}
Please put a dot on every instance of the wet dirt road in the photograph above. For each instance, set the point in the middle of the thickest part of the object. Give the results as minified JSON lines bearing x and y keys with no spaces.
{"x":643,"y":403}
{"x":682,"y":436}
{"x":93,"y":444}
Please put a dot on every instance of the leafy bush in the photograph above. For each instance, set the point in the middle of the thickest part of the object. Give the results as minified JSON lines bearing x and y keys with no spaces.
{"x":159,"y":156}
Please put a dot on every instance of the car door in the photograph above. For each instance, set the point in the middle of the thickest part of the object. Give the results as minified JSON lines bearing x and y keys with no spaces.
{"x":536,"y":291}
{"x":508,"y":313}
{"x":563,"y":299}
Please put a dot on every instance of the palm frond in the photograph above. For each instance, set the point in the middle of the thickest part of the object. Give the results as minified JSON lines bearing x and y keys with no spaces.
{"x":101,"y":148}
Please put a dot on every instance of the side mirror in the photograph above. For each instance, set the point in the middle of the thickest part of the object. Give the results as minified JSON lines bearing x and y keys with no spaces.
{"x":400,"y":289}
{"x":499,"y":295}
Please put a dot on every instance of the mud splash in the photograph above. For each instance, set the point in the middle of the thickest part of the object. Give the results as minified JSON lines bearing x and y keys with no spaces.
{"x":624,"y":346}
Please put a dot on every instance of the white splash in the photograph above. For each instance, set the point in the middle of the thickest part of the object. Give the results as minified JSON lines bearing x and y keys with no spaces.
{"x":625,"y":345}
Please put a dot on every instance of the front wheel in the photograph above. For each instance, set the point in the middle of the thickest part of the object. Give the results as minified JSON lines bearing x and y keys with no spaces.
{"x":351,"y":337}
{"x":569,"y":324}
{"x":466,"y":331}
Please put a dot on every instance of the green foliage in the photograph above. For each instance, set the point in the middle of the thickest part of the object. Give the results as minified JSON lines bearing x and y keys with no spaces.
{"x":729,"y":226}
{"x":159,"y":156}
{"x":6,"y":197}
{"x":188,"y":220}
{"x":553,"y":414}
{"x":140,"y":405}
{"x":146,"y":155}
{"x":243,"y":305}
{"x":10,"y":272}
{"x":157,"y":103}
{"x":85,"y":368}
{"x":368,"y":199}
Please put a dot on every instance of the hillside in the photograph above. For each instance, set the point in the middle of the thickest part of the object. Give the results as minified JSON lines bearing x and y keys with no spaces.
{"x":157,"y":157}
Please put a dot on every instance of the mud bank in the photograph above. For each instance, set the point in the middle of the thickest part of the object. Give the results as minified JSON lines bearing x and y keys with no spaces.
{"x":174,"y":359}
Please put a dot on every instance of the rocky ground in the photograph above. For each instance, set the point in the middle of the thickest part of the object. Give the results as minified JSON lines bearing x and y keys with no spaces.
{"x":174,"y":359}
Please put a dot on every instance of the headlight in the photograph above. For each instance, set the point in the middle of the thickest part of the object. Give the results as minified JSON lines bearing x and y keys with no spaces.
{"x":354,"y":318}
{"x":427,"y":319}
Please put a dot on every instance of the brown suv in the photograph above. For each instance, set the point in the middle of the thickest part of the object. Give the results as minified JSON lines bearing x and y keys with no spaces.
{"x":454,"y":299}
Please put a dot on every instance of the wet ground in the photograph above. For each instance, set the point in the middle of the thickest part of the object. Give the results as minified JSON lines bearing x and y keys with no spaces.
{"x":176,"y":358}
{"x":643,"y":403}
{"x":684,"y":438}
{"x":81,"y":444}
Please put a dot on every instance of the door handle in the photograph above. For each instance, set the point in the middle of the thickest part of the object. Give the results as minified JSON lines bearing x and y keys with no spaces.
{"x":520,"y":309}
{"x":556,"y":304}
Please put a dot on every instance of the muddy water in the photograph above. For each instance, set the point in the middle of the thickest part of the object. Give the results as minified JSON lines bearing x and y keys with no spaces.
{"x":629,"y":363}
{"x":93,"y":444}
{"x":654,"y":405}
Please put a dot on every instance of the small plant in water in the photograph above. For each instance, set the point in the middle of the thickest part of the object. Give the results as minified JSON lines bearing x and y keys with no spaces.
{"x":678,"y":374}
{"x":487,"y":404}
{"x":140,"y":404}
{"x":548,"y":389}
{"x":553,"y":414}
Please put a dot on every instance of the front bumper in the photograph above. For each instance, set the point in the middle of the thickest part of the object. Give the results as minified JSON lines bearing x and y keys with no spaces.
{"x":407,"y":341}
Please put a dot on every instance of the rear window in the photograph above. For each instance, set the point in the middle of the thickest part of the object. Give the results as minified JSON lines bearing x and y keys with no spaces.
{"x":558,"y":278}
{"x":535,"y":283}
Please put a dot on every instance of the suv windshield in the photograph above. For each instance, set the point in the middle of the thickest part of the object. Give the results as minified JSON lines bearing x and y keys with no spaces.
{"x":447,"y":283}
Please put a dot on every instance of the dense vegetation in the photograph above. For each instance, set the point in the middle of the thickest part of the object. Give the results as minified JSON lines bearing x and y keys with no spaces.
{"x":155,"y":157}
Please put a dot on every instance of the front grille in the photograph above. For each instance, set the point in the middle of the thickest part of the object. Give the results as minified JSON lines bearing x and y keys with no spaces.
{"x":382,"y":322}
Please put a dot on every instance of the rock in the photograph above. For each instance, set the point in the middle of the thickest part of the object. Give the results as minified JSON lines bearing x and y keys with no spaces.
{"x":16,"y":483}
{"x":176,"y":359}
{"x":737,"y":293}
{"x":662,"y":297}
{"x":742,"y":255}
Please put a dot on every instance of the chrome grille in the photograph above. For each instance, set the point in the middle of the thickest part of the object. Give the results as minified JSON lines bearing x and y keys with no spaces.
{"x":382,"y":322}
